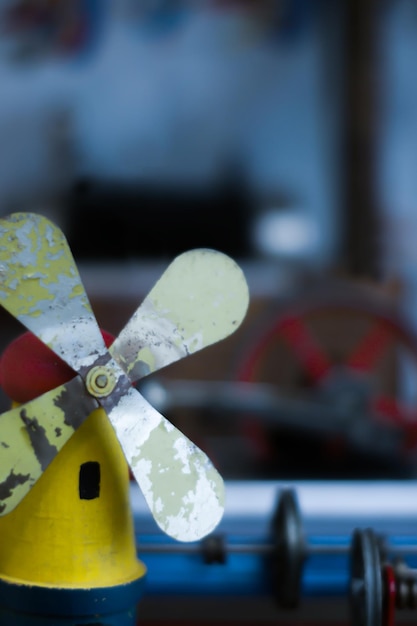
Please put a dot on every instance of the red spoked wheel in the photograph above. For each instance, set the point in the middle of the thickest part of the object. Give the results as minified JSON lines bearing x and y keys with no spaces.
{"x":304,"y":348}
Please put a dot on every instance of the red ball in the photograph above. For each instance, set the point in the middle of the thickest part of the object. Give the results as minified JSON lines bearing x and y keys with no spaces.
{"x":28,"y":368}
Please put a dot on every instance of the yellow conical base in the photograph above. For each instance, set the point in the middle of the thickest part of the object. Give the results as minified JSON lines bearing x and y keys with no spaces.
{"x":55,"y":538}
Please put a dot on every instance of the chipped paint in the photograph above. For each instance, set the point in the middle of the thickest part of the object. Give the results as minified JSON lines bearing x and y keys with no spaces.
{"x":8,"y":485}
{"x":41,"y":287}
{"x":32,"y":435}
{"x":183,"y":490}
{"x":44,"y":451}
{"x":201,"y":298}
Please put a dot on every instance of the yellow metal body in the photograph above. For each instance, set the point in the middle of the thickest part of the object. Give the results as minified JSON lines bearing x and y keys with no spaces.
{"x":54,"y":538}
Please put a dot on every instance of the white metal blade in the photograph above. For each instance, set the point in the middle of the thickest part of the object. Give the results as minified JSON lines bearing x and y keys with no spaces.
{"x":201,"y":298}
{"x":41,"y":287}
{"x":183,"y":490}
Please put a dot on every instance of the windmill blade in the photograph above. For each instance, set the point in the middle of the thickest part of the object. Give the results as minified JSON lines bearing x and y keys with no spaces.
{"x":201,"y":298}
{"x":183,"y":490}
{"x":41,"y":287}
{"x":32,"y":434}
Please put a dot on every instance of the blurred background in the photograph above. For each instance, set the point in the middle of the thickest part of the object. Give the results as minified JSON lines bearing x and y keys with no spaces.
{"x":282,"y":132}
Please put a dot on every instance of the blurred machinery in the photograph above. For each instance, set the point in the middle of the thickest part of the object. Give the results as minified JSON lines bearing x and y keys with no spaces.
{"x":313,"y":390}
{"x":292,"y":552}
{"x":317,"y":413}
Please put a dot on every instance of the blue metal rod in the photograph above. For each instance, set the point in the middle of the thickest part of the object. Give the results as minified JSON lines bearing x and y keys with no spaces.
{"x":330,"y":512}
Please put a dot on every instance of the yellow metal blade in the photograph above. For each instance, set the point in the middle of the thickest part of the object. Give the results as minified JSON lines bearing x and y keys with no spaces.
{"x":32,"y":434}
{"x":41,"y":287}
{"x":200,"y":299}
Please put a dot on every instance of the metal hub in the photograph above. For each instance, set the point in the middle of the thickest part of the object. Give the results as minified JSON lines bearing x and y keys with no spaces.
{"x":100,"y":381}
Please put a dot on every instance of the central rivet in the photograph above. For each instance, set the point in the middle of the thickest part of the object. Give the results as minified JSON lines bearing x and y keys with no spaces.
{"x":100,"y":381}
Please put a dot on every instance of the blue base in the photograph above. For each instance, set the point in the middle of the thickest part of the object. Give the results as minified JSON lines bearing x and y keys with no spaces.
{"x":24,"y":605}
{"x":10,"y":618}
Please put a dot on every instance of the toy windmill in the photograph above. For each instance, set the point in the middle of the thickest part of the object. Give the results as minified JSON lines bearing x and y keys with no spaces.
{"x":201,"y":298}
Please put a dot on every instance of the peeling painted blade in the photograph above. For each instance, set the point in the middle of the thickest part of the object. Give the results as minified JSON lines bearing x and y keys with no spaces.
{"x":201,"y":298}
{"x":32,"y":434}
{"x":183,"y":490}
{"x":41,"y":287}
